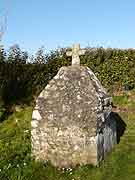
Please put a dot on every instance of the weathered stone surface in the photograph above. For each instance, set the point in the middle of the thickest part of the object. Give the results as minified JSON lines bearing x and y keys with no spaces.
{"x":71,"y":121}
{"x":106,"y":137}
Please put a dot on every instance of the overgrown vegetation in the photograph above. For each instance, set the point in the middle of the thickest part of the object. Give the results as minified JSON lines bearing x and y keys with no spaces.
{"x":23,"y":77}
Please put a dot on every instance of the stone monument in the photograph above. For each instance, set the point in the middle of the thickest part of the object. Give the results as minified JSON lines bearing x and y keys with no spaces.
{"x":72,"y":122}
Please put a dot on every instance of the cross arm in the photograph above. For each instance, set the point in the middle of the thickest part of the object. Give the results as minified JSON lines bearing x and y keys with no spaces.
{"x":69,"y":53}
{"x":82,"y":52}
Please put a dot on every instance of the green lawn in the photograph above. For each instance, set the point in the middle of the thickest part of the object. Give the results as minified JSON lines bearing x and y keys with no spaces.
{"x":16,"y":162}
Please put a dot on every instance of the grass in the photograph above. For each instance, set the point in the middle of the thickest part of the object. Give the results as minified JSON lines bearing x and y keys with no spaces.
{"x":15,"y":151}
{"x":120,"y":100}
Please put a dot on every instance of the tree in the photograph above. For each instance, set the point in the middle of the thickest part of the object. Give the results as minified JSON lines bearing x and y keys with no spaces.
{"x":16,"y":55}
{"x":2,"y":54}
{"x":40,"y":56}
{"x":24,"y":57}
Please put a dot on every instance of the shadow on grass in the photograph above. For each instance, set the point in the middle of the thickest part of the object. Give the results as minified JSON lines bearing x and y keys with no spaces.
{"x":120,"y":125}
{"x":6,"y":111}
{"x":5,"y":115}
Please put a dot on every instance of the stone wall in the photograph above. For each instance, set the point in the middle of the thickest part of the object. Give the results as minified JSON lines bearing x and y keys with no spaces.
{"x":69,"y":121}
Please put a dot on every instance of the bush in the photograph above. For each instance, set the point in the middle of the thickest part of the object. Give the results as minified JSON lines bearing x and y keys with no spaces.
{"x":21,"y":82}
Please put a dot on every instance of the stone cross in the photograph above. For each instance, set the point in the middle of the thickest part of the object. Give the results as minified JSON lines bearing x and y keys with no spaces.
{"x":75,"y":53}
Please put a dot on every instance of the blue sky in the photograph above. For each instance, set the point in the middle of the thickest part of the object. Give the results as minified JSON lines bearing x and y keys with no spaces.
{"x":60,"y":23}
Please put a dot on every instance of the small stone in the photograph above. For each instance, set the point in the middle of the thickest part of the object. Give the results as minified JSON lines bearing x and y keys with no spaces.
{"x":34,"y":124}
{"x":48,"y":87}
{"x":36,"y":115}
{"x":76,"y":148}
{"x":79,"y":97}
{"x":50,"y":116}
{"x":60,"y":133}
{"x":53,"y":88}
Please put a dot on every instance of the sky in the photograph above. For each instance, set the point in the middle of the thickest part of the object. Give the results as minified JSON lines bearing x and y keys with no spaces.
{"x":60,"y":23}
